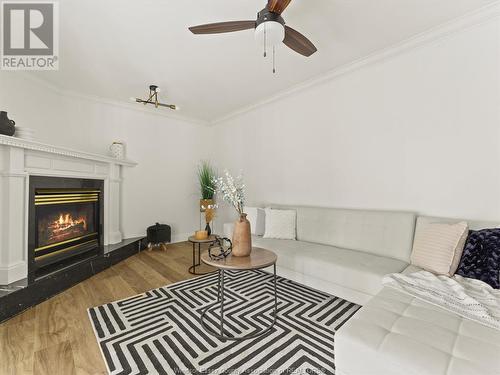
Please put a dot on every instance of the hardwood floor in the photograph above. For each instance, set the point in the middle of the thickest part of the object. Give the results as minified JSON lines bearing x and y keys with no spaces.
{"x":56,"y":337}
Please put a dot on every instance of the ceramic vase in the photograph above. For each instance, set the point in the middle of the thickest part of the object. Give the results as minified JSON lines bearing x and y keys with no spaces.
{"x":242,"y":237}
{"x":25,"y":133}
{"x":117,"y":150}
{"x":6,"y":126}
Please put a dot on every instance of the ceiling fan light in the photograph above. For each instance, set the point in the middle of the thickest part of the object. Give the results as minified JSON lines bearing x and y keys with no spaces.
{"x":270,"y":33}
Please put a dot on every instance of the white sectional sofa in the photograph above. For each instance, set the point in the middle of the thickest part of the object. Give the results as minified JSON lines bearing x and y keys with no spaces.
{"x":344,"y":252}
{"x":347,"y":253}
{"x":395,"y":333}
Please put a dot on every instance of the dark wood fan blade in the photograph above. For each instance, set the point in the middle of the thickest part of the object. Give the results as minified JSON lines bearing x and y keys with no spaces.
{"x":277,"y":6}
{"x":222,"y":27}
{"x":298,"y":42}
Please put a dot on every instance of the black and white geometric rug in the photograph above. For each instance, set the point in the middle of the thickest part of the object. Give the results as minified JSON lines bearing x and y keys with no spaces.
{"x":159,"y":332}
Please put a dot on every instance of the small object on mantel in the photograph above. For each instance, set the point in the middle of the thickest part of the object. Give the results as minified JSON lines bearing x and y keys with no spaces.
{"x":25,"y":133}
{"x":117,"y":150}
{"x":7,"y":126}
{"x":158,"y":235}
{"x":201,"y":235}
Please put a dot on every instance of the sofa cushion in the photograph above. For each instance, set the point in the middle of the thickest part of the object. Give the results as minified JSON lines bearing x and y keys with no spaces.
{"x":438,"y":247}
{"x":384,"y":233}
{"x":481,"y":257}
{"x":352,"y":269}
{"x":257,"y":218}
{"x":280,"y":224}
{"x":398,"y":334}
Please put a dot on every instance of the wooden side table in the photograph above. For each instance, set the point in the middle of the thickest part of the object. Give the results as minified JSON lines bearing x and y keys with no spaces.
{"x":258,"y":258}
{"x":210,"y":240}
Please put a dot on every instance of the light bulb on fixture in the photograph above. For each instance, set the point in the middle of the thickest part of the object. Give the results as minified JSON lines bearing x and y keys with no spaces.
{"x":270,"y":33}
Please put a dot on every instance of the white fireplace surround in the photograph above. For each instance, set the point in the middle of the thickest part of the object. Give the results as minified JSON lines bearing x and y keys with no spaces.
{"x":20,"y":159}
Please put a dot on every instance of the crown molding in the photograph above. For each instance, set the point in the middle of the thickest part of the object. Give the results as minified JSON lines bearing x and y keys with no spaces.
{"x":113,"y":102}
{"x":457,"y":25}
{"x":477,"y":17}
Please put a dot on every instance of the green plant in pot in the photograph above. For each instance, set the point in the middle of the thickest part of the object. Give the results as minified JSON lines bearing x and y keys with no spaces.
{"x":206,"y":176}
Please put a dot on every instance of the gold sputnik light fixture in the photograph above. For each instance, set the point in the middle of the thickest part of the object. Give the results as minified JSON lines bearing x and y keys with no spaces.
{"x":153,"y":99}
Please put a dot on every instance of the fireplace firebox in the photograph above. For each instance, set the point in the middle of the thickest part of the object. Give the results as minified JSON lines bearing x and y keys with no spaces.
{"x":65,"y":222}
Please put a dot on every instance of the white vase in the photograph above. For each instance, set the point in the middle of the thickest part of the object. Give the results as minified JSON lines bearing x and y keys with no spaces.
{"x":117,"y":150}
{"x":24,"y":133}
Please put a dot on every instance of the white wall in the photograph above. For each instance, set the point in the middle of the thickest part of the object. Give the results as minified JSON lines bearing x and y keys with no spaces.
{"x":419,"y":131}
{"x":162,"y":187}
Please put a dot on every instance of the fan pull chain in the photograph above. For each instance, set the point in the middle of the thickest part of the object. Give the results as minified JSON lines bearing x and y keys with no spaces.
{"x":265,"y":38}
{"x":274,"y":60}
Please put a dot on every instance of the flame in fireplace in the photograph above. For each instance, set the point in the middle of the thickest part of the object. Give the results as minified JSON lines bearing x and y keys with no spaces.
{"x":66,"y":222}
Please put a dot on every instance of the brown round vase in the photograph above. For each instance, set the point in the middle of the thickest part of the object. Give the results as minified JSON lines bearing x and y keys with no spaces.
{"x":242,"y":237}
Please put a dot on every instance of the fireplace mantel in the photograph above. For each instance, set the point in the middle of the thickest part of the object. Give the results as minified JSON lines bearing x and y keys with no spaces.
{"x":20,"y":159}
{"x":63,"y":151}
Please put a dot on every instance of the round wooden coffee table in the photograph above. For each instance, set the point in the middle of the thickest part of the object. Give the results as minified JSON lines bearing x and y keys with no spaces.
{"x":210,"y":240}
{"x":258,"y":258}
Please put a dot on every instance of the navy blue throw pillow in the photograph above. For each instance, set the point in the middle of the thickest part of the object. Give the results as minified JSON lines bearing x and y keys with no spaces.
{"x":481,"y":257}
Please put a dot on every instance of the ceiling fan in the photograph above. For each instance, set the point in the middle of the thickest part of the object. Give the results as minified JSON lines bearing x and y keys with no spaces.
{"x":269,"y":28}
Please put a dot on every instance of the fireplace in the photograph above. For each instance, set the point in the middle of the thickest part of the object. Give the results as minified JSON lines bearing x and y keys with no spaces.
{"x":65,"y":222}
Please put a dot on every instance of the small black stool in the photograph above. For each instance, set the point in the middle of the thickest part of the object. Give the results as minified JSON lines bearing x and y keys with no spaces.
{"x":158,"y":235}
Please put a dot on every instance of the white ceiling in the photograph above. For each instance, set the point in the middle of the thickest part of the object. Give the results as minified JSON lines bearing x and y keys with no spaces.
{"x":115,"y":48}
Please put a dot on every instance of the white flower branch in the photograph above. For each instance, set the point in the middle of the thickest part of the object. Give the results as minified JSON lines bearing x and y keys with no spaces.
{"x":232,"y":190}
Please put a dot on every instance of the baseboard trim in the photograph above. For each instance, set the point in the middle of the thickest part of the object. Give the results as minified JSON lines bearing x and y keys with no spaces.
{"x":13,"y":272}
{"x":176,"y":237}
{"x":181,"y":237}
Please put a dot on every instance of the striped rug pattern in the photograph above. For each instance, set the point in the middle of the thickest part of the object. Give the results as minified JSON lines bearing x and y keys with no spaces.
{"x":159,"y":332}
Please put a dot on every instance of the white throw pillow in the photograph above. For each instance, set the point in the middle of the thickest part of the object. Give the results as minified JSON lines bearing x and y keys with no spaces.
{"x":280,"y":224}
{"x":438,"y":247}
{"x":256,"y":216}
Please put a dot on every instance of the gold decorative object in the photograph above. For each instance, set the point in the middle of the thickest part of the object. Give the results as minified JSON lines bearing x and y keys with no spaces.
{"x":46,"y":199}
{"x":201,"y":235}
{"x":209,"y":215}
{"x":206,"y":204}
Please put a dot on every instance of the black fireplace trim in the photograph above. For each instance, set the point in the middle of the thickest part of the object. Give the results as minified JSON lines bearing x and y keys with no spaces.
{"x":46,"y":182}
